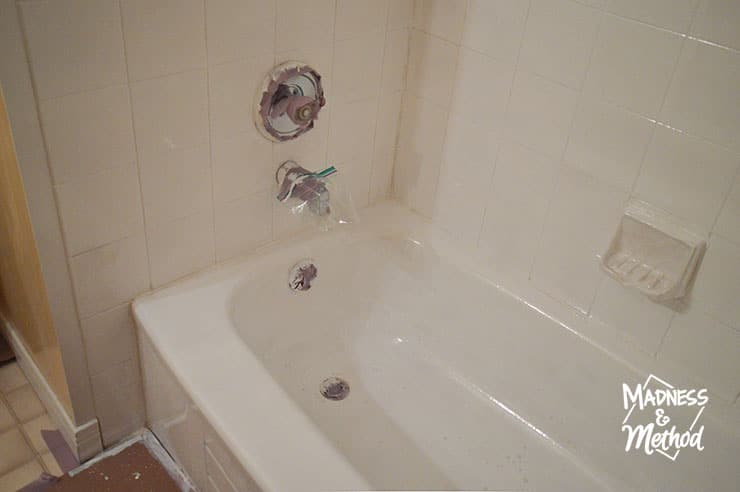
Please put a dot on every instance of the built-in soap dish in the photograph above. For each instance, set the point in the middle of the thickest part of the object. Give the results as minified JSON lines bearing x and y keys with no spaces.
{"x":653,"y":253}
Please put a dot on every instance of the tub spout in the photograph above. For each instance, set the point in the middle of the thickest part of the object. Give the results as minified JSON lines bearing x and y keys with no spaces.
{"x":298,"y":182}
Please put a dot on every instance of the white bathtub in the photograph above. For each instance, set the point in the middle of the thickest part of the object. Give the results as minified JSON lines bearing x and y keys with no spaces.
{"x":455,"y":384}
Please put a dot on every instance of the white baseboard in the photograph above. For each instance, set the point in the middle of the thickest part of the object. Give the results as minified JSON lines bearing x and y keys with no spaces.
{"x":84,"y":440}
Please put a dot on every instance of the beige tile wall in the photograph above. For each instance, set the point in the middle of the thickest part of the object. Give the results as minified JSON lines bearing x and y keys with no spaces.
{"x":21,"y":105}
{"x":157,"y":168}
{"x":527,"y":125}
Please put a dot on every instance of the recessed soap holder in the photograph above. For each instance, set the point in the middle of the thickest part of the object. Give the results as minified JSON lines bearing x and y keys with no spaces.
{"x":653,"y":252}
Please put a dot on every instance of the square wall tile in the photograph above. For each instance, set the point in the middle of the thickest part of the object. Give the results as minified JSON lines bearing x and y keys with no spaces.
{"x":24,"y":403}
{"x":395,"y":60}
{"x":6,"y":419}
{"x":181,"y":246}
{"x":608,"y":142}
{"x":351,"y":131}
{"x":382,"y":175}
{"x":318,"y":53}
{"x":686,"y":176}
{"x":359,"y":55}
{"x":495,"y":27}
{"x":631,"y":314}
{"x":357,"y":17}
{"x":728,"y":223}
{"x":11,"y":377}
{"x":705,"y":93}
{"x":481,"y":91}
{"x":540,"y":113}
{"x":13,"y":451}
{"x":717,"y":287}
{"x":171,"y":112}
{"x":707,"y":349}
{"x":244,"y":224}
{"x":420,"y":143}
{"x":386,"y":128}
{"x":100,"y":208}
{"x":465,"y":179}
{"x":239,"y":29}
{"x":110,"y":275}
{"x":310,"y":150}
{"x":581,"y":219}
{"x":242,"y":166}
{"x":88,"y":132}
{"x":351,"y":140}
{"x":163,"y":36}
{"x":514,"y":220}
{"x":674,"y":15}
{"x":432,"y":66}
{"x":109,"y":338}
{"x":176,"y":184}
{"x":558,"y":40}
{"x":632,"y":65}
{"x":21,"y":476}
{"x":74,"y":46}
{"x":119,"y":401}
{"x":233,"y":88}
{"x":717,"y":21}
{"x":357,"y":174}
{"x":400,"y":14}
{"x":443,"y":18}
{"x":32,"y":429}
{"x":298,"y":20}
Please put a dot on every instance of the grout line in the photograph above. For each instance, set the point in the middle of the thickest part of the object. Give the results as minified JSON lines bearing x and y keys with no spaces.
{"x":656,"y":121}
{"x":136,"y":149}
{"x":391,"y":192}
{"x":17,"y":424}
{"x":210,"y":135}
{"x":380,"y":93}
{"x":333,"y":82}
{"x":505,"y":113}
{"x":65,"y":250}
{"x":665,"y":335}
{"x":728,"y":193}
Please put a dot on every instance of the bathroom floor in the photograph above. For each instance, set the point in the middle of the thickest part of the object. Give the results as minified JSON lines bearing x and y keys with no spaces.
{"x":133,"y":468}
{"x":24,"y":454}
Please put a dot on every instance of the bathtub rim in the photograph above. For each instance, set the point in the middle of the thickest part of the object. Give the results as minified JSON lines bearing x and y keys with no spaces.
{"x":416,"y":227}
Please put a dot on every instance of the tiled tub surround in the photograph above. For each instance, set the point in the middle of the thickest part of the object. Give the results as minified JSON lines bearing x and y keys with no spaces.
{"x":528,"y":125}
{"x":157,"y":169}
{"x":454,"y":383}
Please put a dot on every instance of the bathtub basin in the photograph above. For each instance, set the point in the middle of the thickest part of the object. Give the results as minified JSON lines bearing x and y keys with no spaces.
{"x":453,"y":382}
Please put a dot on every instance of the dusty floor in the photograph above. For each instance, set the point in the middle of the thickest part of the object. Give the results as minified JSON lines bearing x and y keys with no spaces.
{"x":133,"y":469}
{"x":24,"y":454}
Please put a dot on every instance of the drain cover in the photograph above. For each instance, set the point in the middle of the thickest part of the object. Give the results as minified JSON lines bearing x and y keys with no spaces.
{"x":334,"y":389}
{"x":302,"y":274}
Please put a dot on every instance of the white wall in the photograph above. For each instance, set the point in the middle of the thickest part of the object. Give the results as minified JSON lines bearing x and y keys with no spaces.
{"x":157,"y":168}
{"x":29,"y":146}
{"x":527,"y":126}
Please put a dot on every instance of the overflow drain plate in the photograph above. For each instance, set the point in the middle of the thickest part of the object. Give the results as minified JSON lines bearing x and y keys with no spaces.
{"x":334,"y":388}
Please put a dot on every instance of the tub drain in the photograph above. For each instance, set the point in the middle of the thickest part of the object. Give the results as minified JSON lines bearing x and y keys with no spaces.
{"x":334,"y":389}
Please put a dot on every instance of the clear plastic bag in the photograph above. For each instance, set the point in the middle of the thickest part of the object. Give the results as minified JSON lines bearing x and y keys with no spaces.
{"x":320,"y":197}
